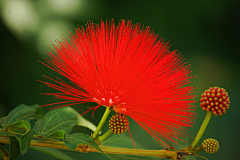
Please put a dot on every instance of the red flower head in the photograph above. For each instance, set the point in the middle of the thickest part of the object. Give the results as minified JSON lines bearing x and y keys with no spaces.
{"x":128,"y":68}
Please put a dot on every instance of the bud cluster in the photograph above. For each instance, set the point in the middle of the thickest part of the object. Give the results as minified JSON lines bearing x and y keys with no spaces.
{"x":210,"y":145}
{"x":118,"y":124}
{"x":215,"y":99}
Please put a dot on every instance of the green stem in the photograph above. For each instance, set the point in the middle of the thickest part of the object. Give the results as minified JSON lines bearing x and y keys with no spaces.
{"x":46,"y":138}
{"x":83,"y":148}
{"x":202,"y":129}
{"x":103,"y":137}
{"x":102,"y":122}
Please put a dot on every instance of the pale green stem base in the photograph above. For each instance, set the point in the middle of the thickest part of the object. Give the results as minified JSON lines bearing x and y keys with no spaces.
{"x":202,"y":129}
{"x":104,"y":136}
{"x":102,"y":122}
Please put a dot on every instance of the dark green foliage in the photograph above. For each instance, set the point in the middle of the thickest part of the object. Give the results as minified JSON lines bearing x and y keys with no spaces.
{"x":59,"y":119}
{"x":14,"y":148}
{"x":17,"y":121}
{"x":75,"y":139}
{"x":25,"y":140}
{"x":22,"y":112}
{"x":20,"y":127}
{"x":55,"y":124}
{"x":58,"y":134}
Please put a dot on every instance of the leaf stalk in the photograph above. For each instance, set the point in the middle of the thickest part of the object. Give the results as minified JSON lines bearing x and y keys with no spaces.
{"x":102,"y":122}
{"x":202,"y":129}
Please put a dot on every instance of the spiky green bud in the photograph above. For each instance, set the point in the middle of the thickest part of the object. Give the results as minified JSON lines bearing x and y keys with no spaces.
{"x":210,"y":145}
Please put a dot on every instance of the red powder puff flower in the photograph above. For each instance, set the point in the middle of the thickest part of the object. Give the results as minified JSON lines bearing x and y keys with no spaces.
{"x":128,"y":68}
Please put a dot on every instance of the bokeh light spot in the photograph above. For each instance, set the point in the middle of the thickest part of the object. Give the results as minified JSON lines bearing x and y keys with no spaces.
{"x":20,"y":17}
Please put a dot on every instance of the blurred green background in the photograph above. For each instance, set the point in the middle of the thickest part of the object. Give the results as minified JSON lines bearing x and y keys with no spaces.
{"x":206,"y":32}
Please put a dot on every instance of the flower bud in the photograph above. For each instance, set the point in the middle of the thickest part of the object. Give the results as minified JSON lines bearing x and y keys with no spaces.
{"x":118,"y":124}
{"x":215,"y":99}
{"x":210,"y":145}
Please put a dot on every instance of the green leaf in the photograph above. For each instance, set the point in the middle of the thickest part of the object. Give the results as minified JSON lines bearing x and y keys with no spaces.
{"x":58,"y":119}
{"x":20,"y":127}
{"x":53,"y":152}
{"x":22,"y":112}
{"x":14,"y":148}
{"x":75,"y":139}
{"x":25,"y":140}
{"x":58,"y":134}
{"x":85,"y":123}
